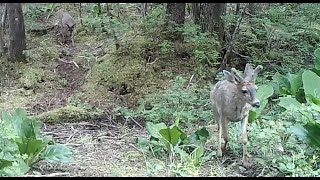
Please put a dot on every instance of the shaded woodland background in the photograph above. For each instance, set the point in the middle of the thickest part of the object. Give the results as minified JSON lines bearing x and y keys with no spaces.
{"x":131,"y":98}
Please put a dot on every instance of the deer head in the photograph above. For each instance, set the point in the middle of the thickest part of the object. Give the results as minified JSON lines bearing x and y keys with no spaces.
{"x":247,"y":90}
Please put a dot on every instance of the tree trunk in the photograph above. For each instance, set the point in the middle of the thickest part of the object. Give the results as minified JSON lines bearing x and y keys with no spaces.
{"x":2,"y":27}
{"x":196,"y":12}
{"x":17,"y":36}
{"x":251,"y":8}
{"x":212,"y":21}
{"x":145,"y":9}
{"x":237,"y":8}
{"x":176,"y":14}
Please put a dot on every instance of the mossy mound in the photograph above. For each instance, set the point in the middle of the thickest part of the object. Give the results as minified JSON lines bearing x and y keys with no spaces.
{"x":69,"y":114}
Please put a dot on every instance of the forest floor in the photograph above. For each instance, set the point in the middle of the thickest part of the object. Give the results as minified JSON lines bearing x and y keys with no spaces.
{"x":104,"y":146}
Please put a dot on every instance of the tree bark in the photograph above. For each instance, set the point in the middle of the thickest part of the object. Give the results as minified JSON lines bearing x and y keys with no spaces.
{"x":176,"y":14}
{"x":2,"y":28}
{"x":237,"y":8}
{"x":251,"y":8}
{"x":196,"y":12}
{"x":212,"y":21}
{"x":17,"y":36}
{"x":145,"y":9}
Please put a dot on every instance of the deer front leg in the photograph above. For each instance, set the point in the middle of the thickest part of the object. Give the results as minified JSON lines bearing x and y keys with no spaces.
{"x":244,"y":138}
{"x":219,"y":151}
{"x":225,"y":134}
{"x":72,"y":39}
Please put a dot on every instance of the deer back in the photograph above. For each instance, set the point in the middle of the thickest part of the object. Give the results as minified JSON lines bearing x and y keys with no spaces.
{"x":66,"y":20}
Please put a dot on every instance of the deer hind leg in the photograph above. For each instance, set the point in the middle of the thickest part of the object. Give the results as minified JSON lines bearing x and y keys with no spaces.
{"x":72,"y":35}
{"x":219,"y":150}
{"x":225,"y":135}
{"x":244,"y":138}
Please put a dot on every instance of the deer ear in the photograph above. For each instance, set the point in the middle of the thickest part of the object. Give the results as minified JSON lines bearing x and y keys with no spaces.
{"x":248,"y":70}
{"x":258,"y":69}
{"x":229,"y":77}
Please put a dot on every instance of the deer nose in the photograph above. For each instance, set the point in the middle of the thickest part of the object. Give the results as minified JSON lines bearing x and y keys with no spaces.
{"x":256,"y":104}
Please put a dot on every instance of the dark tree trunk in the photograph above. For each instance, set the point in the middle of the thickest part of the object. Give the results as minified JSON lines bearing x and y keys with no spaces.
{"x":145,"y":9}
{"x":176,"y":15}
{"x":17,"y":36}
{"x":237,"y":8}
{"x":2,"y":28}
{"x":212,"y":21}
{"x":251,"y":8}
{"x":196,"y":12}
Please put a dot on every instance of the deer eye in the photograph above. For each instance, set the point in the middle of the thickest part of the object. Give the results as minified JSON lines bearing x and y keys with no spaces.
{"x":244,"y":91}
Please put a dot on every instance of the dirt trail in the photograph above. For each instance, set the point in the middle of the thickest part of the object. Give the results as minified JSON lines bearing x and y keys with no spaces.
{"x":102,"y":147}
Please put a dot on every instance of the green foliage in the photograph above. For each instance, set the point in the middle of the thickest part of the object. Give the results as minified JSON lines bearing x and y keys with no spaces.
{"x":264,"y":92}
{"x":205,"y":44}
{"x":154,"y":19}
{"x":311,"y":83}
{"x":173,"y":140}
{"x":166,"y":47}
{"x":308,"y":114}
{"x":290,"y":85}
{"x":317,"y":58}
{"x":176,"y":103}
{"x":22,"y":144}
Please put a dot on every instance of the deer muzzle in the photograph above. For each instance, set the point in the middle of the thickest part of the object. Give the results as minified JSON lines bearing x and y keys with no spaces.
{"x":256,"y":104}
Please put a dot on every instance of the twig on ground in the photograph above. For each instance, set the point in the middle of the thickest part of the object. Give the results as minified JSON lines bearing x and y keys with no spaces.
{"x":136,"y":148}
{"x":136,"y":122}
{"x":69,"y":62}
{"x":189,"y":82}
{"x":72,"y":135}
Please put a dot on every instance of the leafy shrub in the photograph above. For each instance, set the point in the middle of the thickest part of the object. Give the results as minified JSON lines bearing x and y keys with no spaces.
{"x":175,"y":103}
{"x":22,"y":145}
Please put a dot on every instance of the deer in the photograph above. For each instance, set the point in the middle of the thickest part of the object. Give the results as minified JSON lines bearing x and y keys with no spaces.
{"x":66,"y":26}
{"x":231,"y":100}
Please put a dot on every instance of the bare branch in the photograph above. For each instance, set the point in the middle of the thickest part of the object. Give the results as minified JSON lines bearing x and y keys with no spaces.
{"x":230,"y":44}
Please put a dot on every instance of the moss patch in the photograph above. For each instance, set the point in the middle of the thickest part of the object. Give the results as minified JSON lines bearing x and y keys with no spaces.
{"x":69,"y":114}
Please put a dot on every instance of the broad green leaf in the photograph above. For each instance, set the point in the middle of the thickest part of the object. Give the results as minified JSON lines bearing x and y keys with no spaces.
{"x":153,"y":129}
{"x":264,"y":92}
{"x":57,"y":153}
{"x":171,"y":135}
{"x":313,"y":99}
{"x":4,"y":163}
{"x":197,"y":154}
{"x":296,"y":83}
{"x":143,"y":142}
{"x":199,"y":137}
{"x":252,"y":116}
{"x":315,"y":107}
{"x":283,"y":82}
{"x":309,"y":133}
{"x":256,"y":112}
{"x":311,"y":83}
{"x":317,"y":71}
{"x":290,"y":103}
{"x":31,"y":146}
{"x":317,"y":58}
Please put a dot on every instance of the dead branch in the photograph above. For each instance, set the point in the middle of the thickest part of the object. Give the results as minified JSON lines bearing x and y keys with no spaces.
{"x":189,"y":82}
{"x":242,"y":56}
{"x":69,"y":62}
{"x":230,"y":44}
